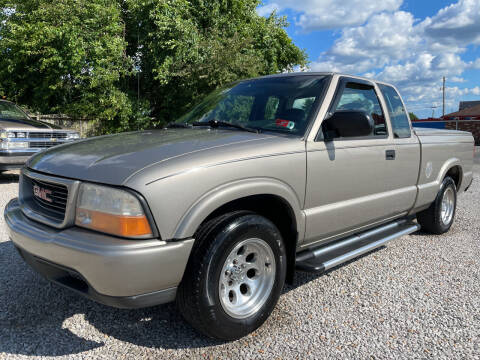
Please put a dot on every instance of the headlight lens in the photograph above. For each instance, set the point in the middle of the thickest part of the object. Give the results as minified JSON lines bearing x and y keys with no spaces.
{"x":111,"y":211}
{"x":73,"y":136}
{"x":21,"y":135}
{"x":6,"y":134}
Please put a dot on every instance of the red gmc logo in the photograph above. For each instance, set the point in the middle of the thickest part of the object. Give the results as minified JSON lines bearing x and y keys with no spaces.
{"x":42,"y":193}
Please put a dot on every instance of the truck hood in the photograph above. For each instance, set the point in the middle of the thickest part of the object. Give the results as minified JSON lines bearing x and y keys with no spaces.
{"x":25,"y":124}
{"x":113,"y":159}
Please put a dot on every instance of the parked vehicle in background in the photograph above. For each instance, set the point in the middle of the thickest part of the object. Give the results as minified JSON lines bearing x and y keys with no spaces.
{"x":21,"y":136}
{"x":293,"y":171}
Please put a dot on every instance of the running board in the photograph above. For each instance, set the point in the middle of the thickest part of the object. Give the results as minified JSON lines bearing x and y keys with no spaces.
{"x":326,"y":257}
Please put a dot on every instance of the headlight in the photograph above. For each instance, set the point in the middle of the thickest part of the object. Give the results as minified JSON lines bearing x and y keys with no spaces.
{"x":6,"y":134}
{"x":21,"y":135}
{"x":111,"y":211}
{"x":13,"y":145}
{"x":73,"y":136}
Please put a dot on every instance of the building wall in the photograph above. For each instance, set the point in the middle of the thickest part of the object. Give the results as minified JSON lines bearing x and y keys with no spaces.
{"x":471,"y":126}
{"x":467,"y":104}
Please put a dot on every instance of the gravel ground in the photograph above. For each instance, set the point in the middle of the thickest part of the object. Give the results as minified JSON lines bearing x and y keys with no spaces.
{"x":418,"y":297}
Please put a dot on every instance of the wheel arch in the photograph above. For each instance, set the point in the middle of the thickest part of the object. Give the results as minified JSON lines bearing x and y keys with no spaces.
{"x":456,"y":173}
{"x":270,"y":198}
{"x":452,"y":168}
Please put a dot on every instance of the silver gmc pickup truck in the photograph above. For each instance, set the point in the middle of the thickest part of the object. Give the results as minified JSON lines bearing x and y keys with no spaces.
{"x":216,"y":211}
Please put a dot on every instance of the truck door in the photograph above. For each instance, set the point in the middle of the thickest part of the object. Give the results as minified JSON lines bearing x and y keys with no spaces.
{"x":405,"y":143}
{"x":352,"y":182}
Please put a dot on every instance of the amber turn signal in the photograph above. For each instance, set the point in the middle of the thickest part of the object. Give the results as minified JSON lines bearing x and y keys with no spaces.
{"x":120,"y":225}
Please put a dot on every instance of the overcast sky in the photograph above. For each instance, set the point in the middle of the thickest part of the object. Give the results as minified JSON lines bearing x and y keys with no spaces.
{"x":411,"y":44}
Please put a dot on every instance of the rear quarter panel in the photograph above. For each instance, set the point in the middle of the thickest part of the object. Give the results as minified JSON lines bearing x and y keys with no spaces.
{"x":440,"y":151}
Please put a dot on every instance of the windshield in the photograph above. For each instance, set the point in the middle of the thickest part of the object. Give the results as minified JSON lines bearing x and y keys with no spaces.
{"x":282,"y":104}
{"x":11,"y":111}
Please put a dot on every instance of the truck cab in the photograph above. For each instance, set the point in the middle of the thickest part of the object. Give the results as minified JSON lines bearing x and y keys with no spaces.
{"x":389,"y":172}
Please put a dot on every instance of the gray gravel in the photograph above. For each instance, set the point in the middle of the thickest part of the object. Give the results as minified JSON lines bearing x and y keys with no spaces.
{"x":419,"y":297}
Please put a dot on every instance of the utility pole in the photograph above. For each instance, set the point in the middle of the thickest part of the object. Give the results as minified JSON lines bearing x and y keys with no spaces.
{"x":443,"y":113}
{"x":138,"y":67}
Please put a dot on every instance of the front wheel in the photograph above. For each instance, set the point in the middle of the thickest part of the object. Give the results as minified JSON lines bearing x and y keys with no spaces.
{"x":438,"y":218}
{"x":234,"y":276}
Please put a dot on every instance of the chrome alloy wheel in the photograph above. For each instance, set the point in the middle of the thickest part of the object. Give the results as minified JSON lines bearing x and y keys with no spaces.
{"x":247,"y":278}
{"x":448,"y":206}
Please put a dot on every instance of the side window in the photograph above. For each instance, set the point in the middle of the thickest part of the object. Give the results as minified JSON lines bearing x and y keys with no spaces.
{"x":361,"y":97}
{"x":398,"y":115}
{"x":304,"y":104}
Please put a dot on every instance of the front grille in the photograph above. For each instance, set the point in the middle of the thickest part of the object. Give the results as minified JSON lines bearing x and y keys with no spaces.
{"x":47,"y":199}
{"x":58,"y":194}
{"x":47,"y":135}
{"x":43,"y":144}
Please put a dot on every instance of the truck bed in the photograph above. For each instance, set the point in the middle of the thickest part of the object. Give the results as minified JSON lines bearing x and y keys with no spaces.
{"x":442,"y":150}
{"x":421,"y":132}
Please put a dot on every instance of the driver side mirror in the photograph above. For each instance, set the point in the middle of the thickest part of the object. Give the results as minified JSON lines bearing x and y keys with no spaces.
{"x":347,"y":123}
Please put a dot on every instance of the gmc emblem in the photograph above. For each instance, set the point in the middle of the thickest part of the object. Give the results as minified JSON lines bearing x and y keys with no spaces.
{"x":42,"y":193}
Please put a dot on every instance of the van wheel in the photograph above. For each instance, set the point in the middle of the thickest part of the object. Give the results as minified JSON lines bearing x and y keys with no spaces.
{"x":438,"y":218}
{"x":234,"y":277}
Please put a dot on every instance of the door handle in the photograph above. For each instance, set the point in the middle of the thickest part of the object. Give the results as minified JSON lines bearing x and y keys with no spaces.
{"x":390,"y":154}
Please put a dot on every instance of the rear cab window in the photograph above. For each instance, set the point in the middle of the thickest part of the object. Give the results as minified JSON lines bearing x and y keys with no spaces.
{"x":396,"y":110}
{"x":271,"y":108}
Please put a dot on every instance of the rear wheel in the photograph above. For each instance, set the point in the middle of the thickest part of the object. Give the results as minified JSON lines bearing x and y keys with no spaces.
{"x":439,"y":217}
{"x":234,"y":277}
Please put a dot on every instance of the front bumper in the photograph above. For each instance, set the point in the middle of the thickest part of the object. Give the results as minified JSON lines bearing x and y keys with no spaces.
{"x":13,"y":162}
{"x":112,"y":271}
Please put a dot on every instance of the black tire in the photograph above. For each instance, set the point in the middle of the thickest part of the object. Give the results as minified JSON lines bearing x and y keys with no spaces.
{"x":198,"y":296}
{"x":431,"y":218}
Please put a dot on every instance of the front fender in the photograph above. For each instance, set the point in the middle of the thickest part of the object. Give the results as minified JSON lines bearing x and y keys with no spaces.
{"x":226,"y":193}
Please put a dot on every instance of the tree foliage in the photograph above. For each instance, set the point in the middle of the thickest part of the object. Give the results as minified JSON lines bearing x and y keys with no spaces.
{"x":65,"y":56}
{"x":126,"y":61}
{"x":413,"y":117}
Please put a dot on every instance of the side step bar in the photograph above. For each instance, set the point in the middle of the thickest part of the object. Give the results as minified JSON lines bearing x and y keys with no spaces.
{"x":329,"y":256}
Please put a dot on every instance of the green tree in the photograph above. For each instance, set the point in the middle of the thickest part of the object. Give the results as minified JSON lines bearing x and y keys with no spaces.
{"x":65,"y":56}
{"x":413,"y":117}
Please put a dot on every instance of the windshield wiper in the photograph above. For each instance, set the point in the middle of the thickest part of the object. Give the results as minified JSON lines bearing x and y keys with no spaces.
{"x":216,"y":124}
{"x":174,"y":125}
